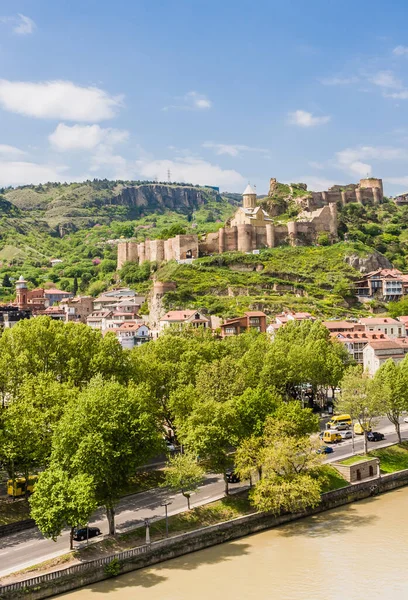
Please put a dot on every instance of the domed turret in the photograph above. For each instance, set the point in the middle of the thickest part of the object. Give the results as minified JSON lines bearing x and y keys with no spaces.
{"x":249,"y":197}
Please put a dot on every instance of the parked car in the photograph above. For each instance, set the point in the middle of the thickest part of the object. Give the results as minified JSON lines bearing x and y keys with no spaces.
{"x":375,"y":436}
{"x":341,"y":426}
{"x":331,"y":437}
{"x":170,"y":447}
{"x":325,"y":450}
{"x":346,"y":435}
{"x":86,"y":533}
{"x":405,"y":419}
{"x":231,"y":476}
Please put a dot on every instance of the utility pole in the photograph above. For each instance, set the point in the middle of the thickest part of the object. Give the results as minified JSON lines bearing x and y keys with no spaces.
{"x":147,"y":525}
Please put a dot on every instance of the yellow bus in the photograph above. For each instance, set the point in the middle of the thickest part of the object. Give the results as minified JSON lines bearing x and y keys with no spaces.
{"x":18,"y":486}
{"x":339,"y":422}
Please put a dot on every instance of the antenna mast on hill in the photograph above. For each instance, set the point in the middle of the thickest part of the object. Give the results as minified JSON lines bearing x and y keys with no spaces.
{"x":168,"y":175}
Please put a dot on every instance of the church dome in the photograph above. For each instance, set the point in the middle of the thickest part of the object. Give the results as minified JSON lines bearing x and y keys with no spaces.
{"x":249,"y":191}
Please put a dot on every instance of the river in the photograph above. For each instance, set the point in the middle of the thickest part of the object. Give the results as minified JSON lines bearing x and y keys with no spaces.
{"x":359,"y":551}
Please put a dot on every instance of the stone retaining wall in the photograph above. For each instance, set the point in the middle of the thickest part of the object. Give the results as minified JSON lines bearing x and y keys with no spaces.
{"x":81,"y":575}
{"x":16,"y":527}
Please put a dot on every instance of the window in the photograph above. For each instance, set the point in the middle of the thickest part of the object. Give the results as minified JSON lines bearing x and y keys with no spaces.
{"x":385,"y":330}
{"x":399,"y":330}
{"x":230,"y":330}
{"x":392,"y":330}
{"x":254,"y":321}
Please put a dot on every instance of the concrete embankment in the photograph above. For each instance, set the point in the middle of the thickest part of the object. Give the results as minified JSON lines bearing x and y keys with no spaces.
{"x":81,"y":575}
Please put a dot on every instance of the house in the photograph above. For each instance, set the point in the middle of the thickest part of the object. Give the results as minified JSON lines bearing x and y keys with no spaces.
{"x":10,"y":315}
{"x":384,"y":284}
{"x":54,"y":296}
{"x":132,"y":334}
{"x":97,"y":319}
{"x":251,"y":320}
{"x":55,"y":312}
{"x":386,"y":325}
{"x":377,"y":352}
{"x":77,"y":309}
{"x":355,"y":342}
{"x":284,"y":318}
{"x":55,"y":261}
{"x":343,"y":326}
{"x":183,"y":317}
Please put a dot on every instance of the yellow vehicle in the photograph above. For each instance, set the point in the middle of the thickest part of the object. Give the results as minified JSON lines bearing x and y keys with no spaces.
{"x":331,"y":437}
{"x":339,"y":422}
{"x":19,"y":488}
{"x":358,"y":430}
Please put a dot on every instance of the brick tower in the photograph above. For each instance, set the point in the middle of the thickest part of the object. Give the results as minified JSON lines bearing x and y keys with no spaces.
{"x":21,"y":293}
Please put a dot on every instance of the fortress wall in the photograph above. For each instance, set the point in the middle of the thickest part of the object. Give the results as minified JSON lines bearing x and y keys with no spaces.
{"x":168,"y":250}
{"x":231,"y":239}
{"x":185,"y":246}
{"x":372,"y":183}
{"x":260,"y":238}
{"x":281,"y":234}
{"x":141,"y":252}
{"x":245,"y":235}
{"x":127,"y":251}
{"x":157,"y":250}
{"x":209,"y":245}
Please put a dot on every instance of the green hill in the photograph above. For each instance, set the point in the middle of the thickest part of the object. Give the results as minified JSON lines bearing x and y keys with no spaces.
{"x":313,"y":279}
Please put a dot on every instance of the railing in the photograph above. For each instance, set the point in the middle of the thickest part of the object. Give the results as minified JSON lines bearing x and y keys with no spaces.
{"x":74,"y":570}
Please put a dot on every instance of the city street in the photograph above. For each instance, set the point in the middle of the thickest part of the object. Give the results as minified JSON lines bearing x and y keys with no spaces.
{"x":28,"y":547}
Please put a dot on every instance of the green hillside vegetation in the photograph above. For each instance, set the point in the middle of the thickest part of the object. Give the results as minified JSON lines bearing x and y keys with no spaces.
{"x":312,"y":279}
{"x":77,"y":223}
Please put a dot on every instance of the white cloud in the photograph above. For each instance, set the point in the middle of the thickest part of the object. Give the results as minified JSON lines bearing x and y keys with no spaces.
{"x":85,"y":137}
{"x":24,"y":26}
{"x":232,"y":149}
{"x":339,"y":80}
{"x":191,"y":169}
{"x":20,"y":24}
{"x":21,"y":173}
{"x":316,"y":165}
{"x":386,"y":79}
{"x":191,"y":101}
{"x":10,"y":151}
{"x":58,"y":100}
{"x":351,"y":159}
{"x":400,"y":50}
{"x":398,"y":95}
{"x":306,"y":119}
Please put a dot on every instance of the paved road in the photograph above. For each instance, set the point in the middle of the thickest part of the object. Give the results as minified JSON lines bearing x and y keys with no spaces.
{"x":29,"y":547}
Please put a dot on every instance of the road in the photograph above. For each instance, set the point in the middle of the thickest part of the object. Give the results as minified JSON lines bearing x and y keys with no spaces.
{"x":28,"y":547}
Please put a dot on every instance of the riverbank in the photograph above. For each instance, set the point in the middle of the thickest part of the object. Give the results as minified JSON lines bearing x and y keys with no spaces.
{"x":84,"y":574}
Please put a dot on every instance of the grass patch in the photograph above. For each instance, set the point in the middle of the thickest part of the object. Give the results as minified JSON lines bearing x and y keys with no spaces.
{"x":392,"y":458}
{"x":352,"y":460}
{"x":12,"y":511}
{"x":334,"y":480}
{"x":145,"y":480}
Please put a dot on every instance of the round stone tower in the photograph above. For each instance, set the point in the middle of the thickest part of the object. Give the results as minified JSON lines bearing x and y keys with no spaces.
{"x":21,"y":293}
{"x":249,"y":197}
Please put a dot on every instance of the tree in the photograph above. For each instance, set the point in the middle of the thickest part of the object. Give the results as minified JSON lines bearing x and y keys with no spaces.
{"x":291,"y":479}
{"x":183,"y":475}
{"x":106,"y":434}
{"x":390,"y":386}
{"x":6,"y":281}
{"x":249,"y":457}
{"x":61,"y":500}
{"x":359,"y":400}
{"x":396,"y":309}
{"x":75,"y":286}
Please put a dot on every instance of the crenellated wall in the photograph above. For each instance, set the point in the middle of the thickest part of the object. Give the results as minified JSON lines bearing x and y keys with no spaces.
{"x":241,"y":238}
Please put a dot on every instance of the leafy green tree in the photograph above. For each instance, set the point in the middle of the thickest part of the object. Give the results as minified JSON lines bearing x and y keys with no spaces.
{"x":359,"y":400}
{"x":398,"y":309}
{"x":291,"y":420}
{"x":75,"y":286}
{"x":106,"y":434}
{"x":60,"y":501}
{"x":184,"y":475}
{"x":97,"y":287}
{"x":249,"y":457}
{"x":390,"y":386}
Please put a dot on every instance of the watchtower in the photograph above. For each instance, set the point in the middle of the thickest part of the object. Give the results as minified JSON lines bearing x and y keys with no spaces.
{"x":249,"y":197}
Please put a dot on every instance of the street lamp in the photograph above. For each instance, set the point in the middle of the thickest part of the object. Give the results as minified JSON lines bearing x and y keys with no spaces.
{"x":165,"y":503}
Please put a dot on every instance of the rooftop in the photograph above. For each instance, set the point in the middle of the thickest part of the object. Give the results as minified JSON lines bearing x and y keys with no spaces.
{"x":248,"y":191}
{"x":378,"y":321}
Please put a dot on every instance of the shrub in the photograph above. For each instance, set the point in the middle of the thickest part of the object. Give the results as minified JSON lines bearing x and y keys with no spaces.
{"x":113,"y":568}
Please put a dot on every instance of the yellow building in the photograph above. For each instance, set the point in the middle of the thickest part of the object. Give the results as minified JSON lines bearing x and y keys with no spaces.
{"x":249,"y":213}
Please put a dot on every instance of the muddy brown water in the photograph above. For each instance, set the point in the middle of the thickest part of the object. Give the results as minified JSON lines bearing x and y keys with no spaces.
{"x":359,"y":551}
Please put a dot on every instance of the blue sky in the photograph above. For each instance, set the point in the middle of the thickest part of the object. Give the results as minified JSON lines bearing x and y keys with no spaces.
{"x":218,"y":91}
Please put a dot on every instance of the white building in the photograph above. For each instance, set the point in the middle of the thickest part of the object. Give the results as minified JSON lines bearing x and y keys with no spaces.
{"x":376,"y":353}
{"x":386,"y":325}
{"x":132,"y":334}
{"x":183,"y":317}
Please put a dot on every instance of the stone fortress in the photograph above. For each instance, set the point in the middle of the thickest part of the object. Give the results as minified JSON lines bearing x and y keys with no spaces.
{"x":253,"y":228}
